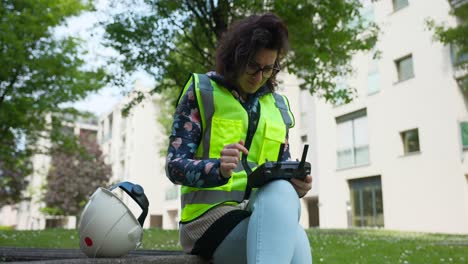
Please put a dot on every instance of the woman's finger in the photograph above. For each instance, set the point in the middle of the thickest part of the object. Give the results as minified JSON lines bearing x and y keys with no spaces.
{"x":230,"y":152}
{"x":229,"y":159}
{"x":239,"y":146}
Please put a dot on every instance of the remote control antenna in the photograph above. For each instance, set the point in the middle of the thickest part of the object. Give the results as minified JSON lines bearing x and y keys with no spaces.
{"x":304,"y":156}
{"x":281,"y":151}
{"x":280,"y":155}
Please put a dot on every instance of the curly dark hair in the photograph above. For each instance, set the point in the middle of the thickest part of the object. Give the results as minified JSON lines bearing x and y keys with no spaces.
{"x":244,"y":39}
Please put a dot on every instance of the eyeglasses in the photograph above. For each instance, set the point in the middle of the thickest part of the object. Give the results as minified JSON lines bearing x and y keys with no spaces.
{"x":267,"y":71}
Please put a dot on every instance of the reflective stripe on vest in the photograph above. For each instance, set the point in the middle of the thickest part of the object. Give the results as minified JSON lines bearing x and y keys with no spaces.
{"x":225,"y":121}
{"x":211,"y":197}
{"x":288,"y":118}
{"x":203,"y":82}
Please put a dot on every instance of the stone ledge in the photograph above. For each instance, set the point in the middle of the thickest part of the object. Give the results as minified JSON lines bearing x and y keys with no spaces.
{"x":75,"y":256}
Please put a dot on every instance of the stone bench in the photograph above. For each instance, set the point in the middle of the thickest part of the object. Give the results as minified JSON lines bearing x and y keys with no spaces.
{"x":75,"y":256}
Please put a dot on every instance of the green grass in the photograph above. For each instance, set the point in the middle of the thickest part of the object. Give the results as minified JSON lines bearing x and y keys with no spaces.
{"x":328,"y":245}
{"x":381,"y":246}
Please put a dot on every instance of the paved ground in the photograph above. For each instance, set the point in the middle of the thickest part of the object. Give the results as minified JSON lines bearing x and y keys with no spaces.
{"x":75,"y":256}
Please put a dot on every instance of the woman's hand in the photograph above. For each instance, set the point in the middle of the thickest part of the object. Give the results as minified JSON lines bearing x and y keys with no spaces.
{"x":302,"y":186}
{"x":230,"y":157}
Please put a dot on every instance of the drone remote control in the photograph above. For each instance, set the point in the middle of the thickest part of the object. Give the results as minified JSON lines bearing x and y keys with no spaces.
{"x":271,"y":170}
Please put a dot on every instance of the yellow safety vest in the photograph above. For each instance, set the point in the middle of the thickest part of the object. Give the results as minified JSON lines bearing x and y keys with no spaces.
{"x":224,"y":121}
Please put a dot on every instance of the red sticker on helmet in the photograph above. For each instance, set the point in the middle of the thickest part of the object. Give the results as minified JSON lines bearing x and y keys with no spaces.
{"x":88,"y":241}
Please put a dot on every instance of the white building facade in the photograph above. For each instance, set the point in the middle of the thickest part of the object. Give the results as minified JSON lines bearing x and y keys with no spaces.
{"x":396,"y":157}
{"x":132,"y":146}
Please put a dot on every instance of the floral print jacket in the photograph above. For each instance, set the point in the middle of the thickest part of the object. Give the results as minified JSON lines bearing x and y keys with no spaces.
{"x":181,"y":165}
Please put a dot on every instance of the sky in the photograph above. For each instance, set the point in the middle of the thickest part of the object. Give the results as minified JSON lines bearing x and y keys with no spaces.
{"x":102,"y":102}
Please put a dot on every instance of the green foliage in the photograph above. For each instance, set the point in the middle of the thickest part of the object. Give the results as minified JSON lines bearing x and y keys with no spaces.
{"x":457,"y":36}
{"x":39,"y":73}
{"x":324,"y":36}
{"x":52,"y":211}
{"x":171,"y":39}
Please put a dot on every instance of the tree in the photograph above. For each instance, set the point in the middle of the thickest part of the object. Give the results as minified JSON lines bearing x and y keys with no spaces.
{"x":173,"y":38}
{"x":40,"y":72}
{"x":12,"y":170}
{"x":74,"y":175}
{"x":457,"y":36}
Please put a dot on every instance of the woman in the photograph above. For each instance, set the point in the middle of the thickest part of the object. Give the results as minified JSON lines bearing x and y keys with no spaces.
{"x":227,"y":123}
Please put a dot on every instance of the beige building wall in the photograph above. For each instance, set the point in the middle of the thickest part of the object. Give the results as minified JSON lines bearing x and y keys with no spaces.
{"x":299,"y":135}
{"x":132,"y":147}
{"x":422,"y":191}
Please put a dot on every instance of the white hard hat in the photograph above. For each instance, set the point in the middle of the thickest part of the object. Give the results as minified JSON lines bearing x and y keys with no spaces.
{"x":107,"y":226}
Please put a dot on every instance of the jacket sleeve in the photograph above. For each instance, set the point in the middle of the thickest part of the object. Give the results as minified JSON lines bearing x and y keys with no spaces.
{"x":181,"y":166}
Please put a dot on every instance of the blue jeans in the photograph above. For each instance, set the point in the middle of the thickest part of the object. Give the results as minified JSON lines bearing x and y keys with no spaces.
{"x":272,"y":233}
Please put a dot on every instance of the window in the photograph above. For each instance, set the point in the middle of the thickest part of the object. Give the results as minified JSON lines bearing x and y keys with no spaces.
{"x":410,"y":139}
{"x":458,"y":56}
{"x":122,"y":170}
{"x":373,"y":82}
{"x":67,"y":131}
{"x":366,"y":15}
{"x":405,"y":68}
{"x":156,"y":221}
{"x":102,"y":132}
{"x":340,"y":87}
{"x":304,"y":102}
{"x":367,"y":12}
{"x":373,"y":74}
{"x":366,"y":202}
{"x":464,"y":134}
{"x":399,"y":4}
{"x":108,"y":158}
{"x":123,"y":146}
{"x":88,"y":135}
{"x":313,"y":210}
{"x":109,"y":131}
{"x":123,"y":125}
{"x":58,"y":222}
{"x":352,"y":140}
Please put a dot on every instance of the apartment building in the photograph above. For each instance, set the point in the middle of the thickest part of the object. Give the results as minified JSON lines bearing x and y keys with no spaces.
{"x":27,"y":214}
{"x":397,"y":156}
{"x":132,"y":145}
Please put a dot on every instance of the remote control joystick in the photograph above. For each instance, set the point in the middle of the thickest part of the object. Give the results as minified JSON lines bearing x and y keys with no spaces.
{"x":270,"y":170}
